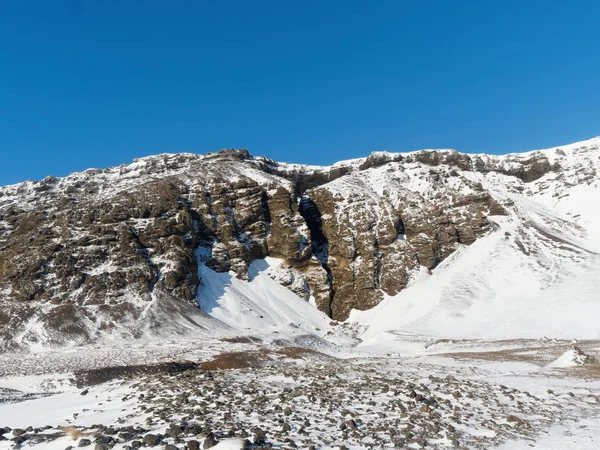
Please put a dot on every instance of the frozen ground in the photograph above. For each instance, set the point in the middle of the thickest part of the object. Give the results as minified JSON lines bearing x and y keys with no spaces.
{"x":426,"y":393}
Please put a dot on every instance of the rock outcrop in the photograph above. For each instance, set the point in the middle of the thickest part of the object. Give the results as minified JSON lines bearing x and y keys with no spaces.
{"x":85,"y":254}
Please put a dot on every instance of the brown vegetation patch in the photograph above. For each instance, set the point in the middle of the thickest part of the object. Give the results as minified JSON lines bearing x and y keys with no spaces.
{"x":98,"y":376}
{"x":255,"y":358}
{"x":242,"y":340}
{"x":223,"y":361}
{"x":294,"y":352}
{"x":540,"y":353}
{"x":236,"y":360}
{"x":540,"y":356}
{"x":586,"y":372}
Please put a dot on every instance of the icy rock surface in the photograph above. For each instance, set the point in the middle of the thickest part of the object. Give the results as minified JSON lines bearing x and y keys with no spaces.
{"x":119,"y":251}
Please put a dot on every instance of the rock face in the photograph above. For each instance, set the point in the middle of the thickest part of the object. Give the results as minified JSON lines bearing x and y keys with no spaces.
{"x":100,"y":250}
{"x":375,"y":231}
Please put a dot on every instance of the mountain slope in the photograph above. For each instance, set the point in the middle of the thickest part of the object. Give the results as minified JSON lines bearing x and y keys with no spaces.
{"x":150,"y":248}
{"x":535,"y":275}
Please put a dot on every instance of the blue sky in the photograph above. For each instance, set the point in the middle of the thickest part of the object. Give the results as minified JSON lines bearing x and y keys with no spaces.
{"x":93,"y":83}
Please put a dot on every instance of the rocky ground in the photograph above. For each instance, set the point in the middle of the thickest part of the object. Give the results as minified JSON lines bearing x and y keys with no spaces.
{"x":273,"y":396}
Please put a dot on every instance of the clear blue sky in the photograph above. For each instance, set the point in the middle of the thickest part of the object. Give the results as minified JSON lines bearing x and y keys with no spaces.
{"x":93,"y":83}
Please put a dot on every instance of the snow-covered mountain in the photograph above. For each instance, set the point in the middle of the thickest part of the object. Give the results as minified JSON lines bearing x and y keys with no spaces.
{"x":535,"y":275}
{"x":433,"y":242}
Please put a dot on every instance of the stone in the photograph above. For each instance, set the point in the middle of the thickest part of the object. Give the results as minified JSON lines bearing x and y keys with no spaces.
{"x":210,"y":441}
{"x":103,"y":440}
{"x":514,"y":419}
{"x":126,"y":436}
{"x":18,"y":440}
{"x":193,"y":445}
{"x":260,"y":437}
{"x":173,"y":431}
{"x":151,"y":440}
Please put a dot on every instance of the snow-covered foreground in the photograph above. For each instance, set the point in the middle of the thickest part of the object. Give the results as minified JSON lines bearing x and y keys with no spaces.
{"x":267,"y":388}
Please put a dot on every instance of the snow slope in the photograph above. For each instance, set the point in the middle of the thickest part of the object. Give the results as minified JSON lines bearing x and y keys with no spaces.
{"x":535,"y":275}
{"x":260,"y":304}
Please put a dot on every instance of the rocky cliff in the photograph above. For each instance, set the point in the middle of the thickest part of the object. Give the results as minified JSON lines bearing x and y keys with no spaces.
{"x":117,"y":250}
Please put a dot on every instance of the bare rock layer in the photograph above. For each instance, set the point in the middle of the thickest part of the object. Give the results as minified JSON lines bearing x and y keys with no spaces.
{"x":95,"y":251}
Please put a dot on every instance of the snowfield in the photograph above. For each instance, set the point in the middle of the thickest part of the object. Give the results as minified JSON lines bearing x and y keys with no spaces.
{"x":470,"y":394}
{"x":496,"y":347}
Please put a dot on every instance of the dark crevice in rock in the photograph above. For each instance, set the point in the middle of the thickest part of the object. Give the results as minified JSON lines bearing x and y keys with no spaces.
{"x":264,"y":203}
{"x":213,"y":213}
{"x":312,"y":216}
{"x":304,"y":182}
{"x":378,"y":258}
{"x":400,"y":227}
{"x":320,"y":245}
{"x":291,"y":205}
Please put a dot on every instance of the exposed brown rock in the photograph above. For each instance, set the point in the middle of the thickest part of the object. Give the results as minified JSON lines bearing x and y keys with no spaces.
{"x":113,"y":240}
